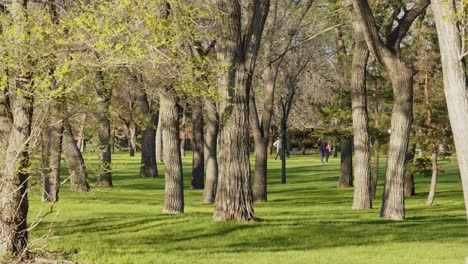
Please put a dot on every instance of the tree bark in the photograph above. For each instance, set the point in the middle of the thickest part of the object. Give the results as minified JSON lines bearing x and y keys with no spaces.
{"x":435,"y":171}
{"x":234,"y":200}
{"x":148,"y":166}
{"x":14,"y":183}
{"x":284,"y":131}
{"x":376,"y":141}
{"x":409,"y":189}
{"x":80,"y":138}
{"x":346,"y":164}
{"x":170,"y":124}
{"x":159,"y":142}
{"x":376,"y":168}
{"x":261,"y":132}
{"x":132,"y":138}
{"x":6,"y":121}
{"x":454,"y":75}
{"x":150,"y":116}
{"x":362,"y":197}
{"x":211,"y":160}
{"x":183,"y":132}
{"x":198,"y":166}
{"x":51,"y":153}
{"x":104,"y":132}
{"x":75,"y":161}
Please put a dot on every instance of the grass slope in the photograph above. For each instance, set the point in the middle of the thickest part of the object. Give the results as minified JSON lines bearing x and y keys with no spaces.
{"x":307,"y":220}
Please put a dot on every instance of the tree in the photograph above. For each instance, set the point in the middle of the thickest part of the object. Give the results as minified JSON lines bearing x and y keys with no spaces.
{"x":401,"y":76}
{"x":240,"y":40}
{"x":211,"y":141}
{"x":454,"y":75}
{"x":198,"y":159}
{"x":14,"y":181}
{"x":74,"y":159}
{"x":362,"y":198}
{"x":149,"y":118}
{"x":277,"y":27}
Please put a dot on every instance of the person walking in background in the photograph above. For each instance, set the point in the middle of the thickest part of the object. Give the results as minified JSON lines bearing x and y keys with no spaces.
{"x":323,"y":150}
{"x":277,"y":144}
{"x":327,"y":150}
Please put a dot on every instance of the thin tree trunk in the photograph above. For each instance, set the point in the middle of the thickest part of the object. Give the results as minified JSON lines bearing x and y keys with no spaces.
{"x":159,"y":142}
{"x":435,"y":171}
{"x":81,"y":138}
{"x":75,"y":161}
{"x":376,"y":169}
{"x":104,"y":133}
{"x":284,"y":129}
{"x":183,"y":132}
{"x":51,"y":153}
{"x":346,"y":164}
{"x":376,"y":141}
{"x":6,"y":120}
{"x":170,"y":122}
{"x":132,"y":138}
{"x":211,"y":161}
{"x":198,"y":166}
{"x":261,"y":132}
{"x":150,"y":116}
{"x":148,"y":166}
{"x":409,"y":189}
{"x":273,"y":135}
{"x":362,"y":198}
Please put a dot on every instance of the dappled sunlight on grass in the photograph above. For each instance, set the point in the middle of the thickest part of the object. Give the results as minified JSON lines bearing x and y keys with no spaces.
{"x":307,"y":220}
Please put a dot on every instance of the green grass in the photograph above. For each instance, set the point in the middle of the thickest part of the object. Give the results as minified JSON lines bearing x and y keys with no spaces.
{"x":307,"y":220}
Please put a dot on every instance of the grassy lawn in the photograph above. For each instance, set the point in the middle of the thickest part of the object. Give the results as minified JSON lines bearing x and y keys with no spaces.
{"x":307,"y":220}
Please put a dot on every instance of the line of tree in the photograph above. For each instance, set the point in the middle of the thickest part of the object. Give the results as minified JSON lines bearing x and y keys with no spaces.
{"x":136,"y":73}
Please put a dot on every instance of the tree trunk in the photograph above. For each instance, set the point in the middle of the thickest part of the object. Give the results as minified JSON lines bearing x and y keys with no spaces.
{"x":198,"y":168}
{"x":159,"y":142}
{"x":284,"y":128}
{"x":211,"y":161}
{"x":150,"y":116}
{"x":75,"y":161}
{"x":81,"y":137}
{"x":14,"y":183}
{"x":234,"y":200}
{"x":454,"y":73}
{"x":409,"y":175}
{"x":393,"y":203}
{"x":170,"y":122}
{"x":435,"y":171}
{"x":346,"y":165}
{"x":183,"y":132}
{"x":132,"y":138}
{"x":104,"y":133}
{"x":148,"y":166}
{"x":362,"y":197}
{"x":261,"y":133}
{"x":375,"y":176}
{"x":273,"y":135}
{"x":376,"y":141}
{"x":51,"y":153}
{"x":6,"y":120}
{"x":335,"y":150}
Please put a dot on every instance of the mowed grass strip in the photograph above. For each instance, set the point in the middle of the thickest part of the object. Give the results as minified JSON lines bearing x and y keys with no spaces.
{"x":307,"y":220}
